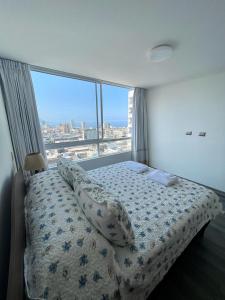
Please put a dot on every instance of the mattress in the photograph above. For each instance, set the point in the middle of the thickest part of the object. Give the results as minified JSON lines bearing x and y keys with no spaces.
{"x":67,"y":258}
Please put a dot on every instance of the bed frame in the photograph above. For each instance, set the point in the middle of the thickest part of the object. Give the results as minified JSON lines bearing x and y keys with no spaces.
{"x":16,"y":290}
{"x":16,"y":283}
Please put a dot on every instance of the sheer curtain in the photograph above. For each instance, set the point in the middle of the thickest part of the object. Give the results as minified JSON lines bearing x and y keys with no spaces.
{"x":140,"y":150}
{"x":21,"y":110}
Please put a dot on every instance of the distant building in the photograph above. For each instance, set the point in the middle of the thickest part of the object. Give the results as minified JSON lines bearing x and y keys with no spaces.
{"x":61,"y":128}
{"x":90,"y":134}
{"x":106,"y":125}
{"x":43,"y":124}
{"x":67,"y":128}
{"x":72,"y":124}
{"x":82,"y":125}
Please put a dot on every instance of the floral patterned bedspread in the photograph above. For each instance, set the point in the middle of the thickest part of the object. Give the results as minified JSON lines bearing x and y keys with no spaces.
{"x":66,"y":258}
{"x":164,"y":219}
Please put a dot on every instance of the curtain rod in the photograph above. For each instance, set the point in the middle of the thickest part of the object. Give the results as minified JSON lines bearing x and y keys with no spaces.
{"x":76,"y":76}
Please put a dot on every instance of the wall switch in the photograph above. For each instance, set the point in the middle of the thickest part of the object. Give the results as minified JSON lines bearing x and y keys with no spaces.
{"x":202,"y":133}
{"x":188,"y":132}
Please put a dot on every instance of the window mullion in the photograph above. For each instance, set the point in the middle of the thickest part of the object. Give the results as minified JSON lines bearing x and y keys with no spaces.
{"x":101,"y":102}
{"x":96,"y":97}
{"x":81,"y":143}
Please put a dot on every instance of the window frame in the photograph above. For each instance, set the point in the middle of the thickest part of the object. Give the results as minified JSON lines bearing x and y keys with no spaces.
{"x":99,"y":103}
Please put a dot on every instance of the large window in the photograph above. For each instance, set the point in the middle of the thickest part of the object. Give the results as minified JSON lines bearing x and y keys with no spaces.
{"x":82,"y":119}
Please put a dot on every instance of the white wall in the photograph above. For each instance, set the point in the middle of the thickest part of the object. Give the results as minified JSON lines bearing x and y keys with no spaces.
{"x":6,"y":172}
{"x":194,"y":105}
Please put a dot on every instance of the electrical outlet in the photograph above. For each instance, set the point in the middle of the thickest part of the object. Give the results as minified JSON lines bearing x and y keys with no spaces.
{"x":202,"y":133}
{"x":188,"y":132}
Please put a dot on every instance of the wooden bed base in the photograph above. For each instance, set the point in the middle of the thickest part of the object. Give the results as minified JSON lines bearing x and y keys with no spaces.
{"x":202,"y":231}
{"x":16,"y":286}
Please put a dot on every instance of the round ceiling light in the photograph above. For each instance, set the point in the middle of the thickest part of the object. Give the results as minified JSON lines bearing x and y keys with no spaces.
{"x":160,"y":53}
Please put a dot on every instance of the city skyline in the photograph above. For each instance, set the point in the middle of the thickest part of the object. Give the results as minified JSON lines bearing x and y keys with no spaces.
{"x":67,"y":113}
{"x":91,"y":124}
{"x":78,"y":100}
{"x":66,"y":132}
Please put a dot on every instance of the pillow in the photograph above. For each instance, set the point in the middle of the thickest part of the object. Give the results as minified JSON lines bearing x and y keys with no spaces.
{"x":69,"y":170}
{"x":104,"y":211}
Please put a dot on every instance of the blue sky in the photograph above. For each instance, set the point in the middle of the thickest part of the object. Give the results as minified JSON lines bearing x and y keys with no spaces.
{"x":61,"y":99}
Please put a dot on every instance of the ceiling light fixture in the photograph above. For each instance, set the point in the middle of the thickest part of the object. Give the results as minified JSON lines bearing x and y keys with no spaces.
{"x":160,"y":53}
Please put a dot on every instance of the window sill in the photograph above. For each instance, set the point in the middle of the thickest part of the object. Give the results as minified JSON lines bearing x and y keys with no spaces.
{"x":100,"y":157}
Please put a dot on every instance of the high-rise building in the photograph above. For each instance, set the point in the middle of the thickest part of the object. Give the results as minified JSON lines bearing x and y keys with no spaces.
{"x":90,"y":134}
{"x":106,"y":125}
{"x":82,"y":125}
{"x":72,"y":124}
{"x":67,"y":127}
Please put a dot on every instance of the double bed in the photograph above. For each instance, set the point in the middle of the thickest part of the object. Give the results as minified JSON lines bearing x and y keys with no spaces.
{"x":66,"y":257}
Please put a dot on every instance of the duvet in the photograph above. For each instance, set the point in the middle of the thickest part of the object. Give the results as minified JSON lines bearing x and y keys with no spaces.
{"x":67,"y":258}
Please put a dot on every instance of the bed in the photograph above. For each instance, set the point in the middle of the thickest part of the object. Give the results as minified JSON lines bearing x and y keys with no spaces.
{"x":66,"y":257}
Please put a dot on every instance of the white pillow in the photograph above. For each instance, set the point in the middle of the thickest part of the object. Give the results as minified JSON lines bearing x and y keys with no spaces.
{"x":69,"y":170}
{"x":104,"y":211}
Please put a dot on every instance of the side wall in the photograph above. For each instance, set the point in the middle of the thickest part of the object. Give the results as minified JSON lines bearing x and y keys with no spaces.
{"x":194,"y":105}
{"x":6,"y":173}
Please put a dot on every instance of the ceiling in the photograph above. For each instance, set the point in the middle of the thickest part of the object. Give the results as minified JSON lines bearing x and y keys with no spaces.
{"x":108,"y":39}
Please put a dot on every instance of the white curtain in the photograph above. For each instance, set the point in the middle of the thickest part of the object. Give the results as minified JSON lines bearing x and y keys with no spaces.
{"x":21,"y":110}
{"x":140,"y":150}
